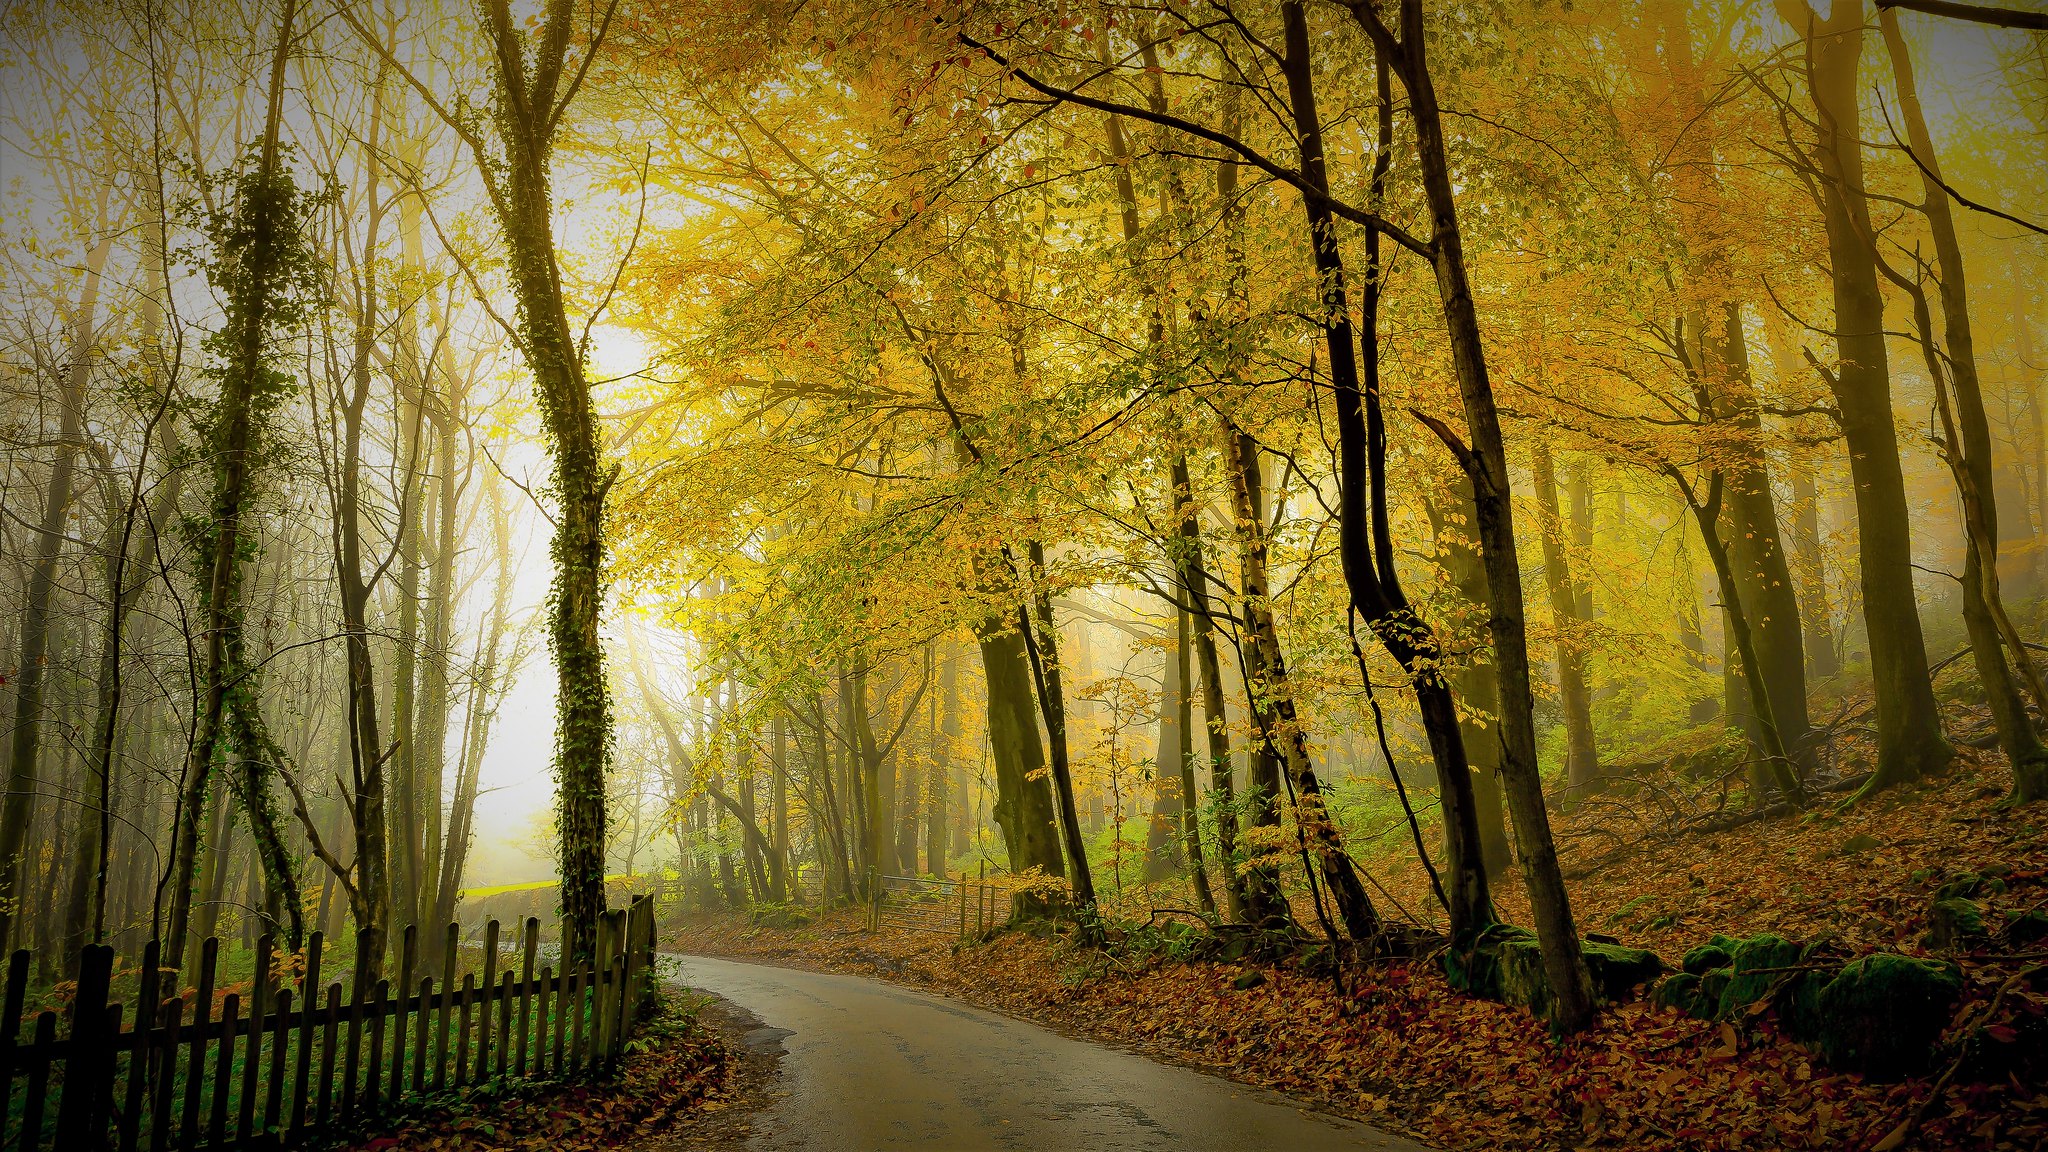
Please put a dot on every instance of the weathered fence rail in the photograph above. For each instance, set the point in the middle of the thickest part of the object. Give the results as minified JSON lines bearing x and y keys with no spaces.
{"x":960,"y":907}
{"x":198,"y":1070}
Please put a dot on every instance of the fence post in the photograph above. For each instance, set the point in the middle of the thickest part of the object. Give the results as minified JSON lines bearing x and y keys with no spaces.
{"x":309,"y":1003}
{"x":160,"y":1108}
{"x":407,"y":956}
{"x":489,"y":985}
{"x":39,"y":1059}
{"x":140,"y":1048}
{"x":252,"y":1056}
{"x":195,"y":1063}
{"x":82,"y":1080}
{"x":530,"y":946}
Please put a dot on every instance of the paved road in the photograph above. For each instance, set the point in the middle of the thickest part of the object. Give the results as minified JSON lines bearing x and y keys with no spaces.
{"x":870,"y":1066}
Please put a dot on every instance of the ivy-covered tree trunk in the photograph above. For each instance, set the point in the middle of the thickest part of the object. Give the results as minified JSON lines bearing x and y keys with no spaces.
{"x":262,"y":267}
{"x":529,"y":104}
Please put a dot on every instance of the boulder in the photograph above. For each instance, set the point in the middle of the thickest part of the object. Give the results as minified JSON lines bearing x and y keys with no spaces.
{"x":1753,"y":971}
{"x":1883,"y":1014}
{"x":1954,"y":923}
{"x":1715,"y":953}
{"x":1506,"y":964}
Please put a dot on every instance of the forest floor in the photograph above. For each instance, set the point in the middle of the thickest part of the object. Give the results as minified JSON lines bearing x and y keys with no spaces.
{"x":1400,"y":1049}
{"x":680,"y":1074}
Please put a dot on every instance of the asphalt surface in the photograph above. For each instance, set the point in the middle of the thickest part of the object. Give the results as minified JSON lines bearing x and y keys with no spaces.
{"x":866,"y":1065}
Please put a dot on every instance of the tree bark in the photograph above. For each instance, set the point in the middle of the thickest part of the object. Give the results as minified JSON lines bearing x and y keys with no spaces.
{"x":1993,"y":640}
{"x":1582,"y":756}
{"x":529,"y":104}
{"x":25,"y":739}
{"x":1485,"y":461}
{"x":1909,"y":737}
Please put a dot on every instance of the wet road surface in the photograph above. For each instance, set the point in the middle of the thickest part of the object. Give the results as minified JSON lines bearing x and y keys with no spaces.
{"x":868,"y":1065}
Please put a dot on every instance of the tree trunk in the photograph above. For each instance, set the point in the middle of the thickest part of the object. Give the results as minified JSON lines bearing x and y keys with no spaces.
{"x":25,"y":739}
{"x":1582,"y":756}
{"x":526,"y":95}
{"x":228,"y":708}
{"x":1024,"y":804}
{"x":1271,"y":691}
{"x":1164,"y":839}
{"x":1184,"y":756}
{"x":1909,"y":737}
{"x":1485,"y":461}
{"x":1044,"y":653}
{"x":1993,"y":640}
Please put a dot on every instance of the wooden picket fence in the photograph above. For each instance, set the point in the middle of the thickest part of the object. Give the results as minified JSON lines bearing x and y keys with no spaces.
{"x":173,"y":1080}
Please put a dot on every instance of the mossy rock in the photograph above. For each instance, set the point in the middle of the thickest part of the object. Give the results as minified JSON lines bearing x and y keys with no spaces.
{"x":1883,"y":1014}
{"x":2028,"y":928}
{"x":1617,"y":969}
{"x":1715,"y":953}
{"x":1954,"y":922}
{"x":1505,"y":963}
{"x":1681,"y":991}
{"x":1751,"y":977}
{"x":1477,"y":968}
{"x":1970,"y":884}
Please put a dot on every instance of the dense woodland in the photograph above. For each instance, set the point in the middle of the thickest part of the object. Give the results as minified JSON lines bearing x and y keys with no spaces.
{"x":1267,"y":461}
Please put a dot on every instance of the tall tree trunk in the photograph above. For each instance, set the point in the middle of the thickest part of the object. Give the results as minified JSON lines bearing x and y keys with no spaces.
{"x":1184,"y":756}
{"x":228,"y":709}
{"x":1909,"y":737}
{"x":1761,"y":571}
{"x":1164,"y":839}
{"x":528,"y":97}
{"x":25,"y":738}
{"x":1582,"y":756}
{"x":778,"y":807}
{"x":1024,"y":804}
{"x":1043,"y":650}
{"x":1365,"y":541}
{"x":1478,"y":720}
{"x":1485,"y":461}
{"x":1271,"y":691}
{"x":946,"y":796}
{"x":1993,"y":639}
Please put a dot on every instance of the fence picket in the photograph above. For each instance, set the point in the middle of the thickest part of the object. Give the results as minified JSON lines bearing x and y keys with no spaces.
{"x":273,"y":1104}
{"x":195,"y":1063}
{"x":483,"y":1016}
{"x":504,"y":1022}
{"x":160,"y":1108}
{"x":327,"y":1041}
{"x":527,"y":953}
{"x":583,"y":978}
{"x":224,"y":1066}
{"x":468,"y":1002}
{"x":447,"y":1001}
{"x":540,"y":1019}
{"x":398,"y":1037}
{"x":252,"y":1057}
{"x":39,"y":1058}
{"x":420,"y":1037}
{"x":380,"y":1011}
{"x":309,"y":1003}
{"x":564,"y":994}
{"x":138,"y":1048}
{"x":89,"y":1042}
